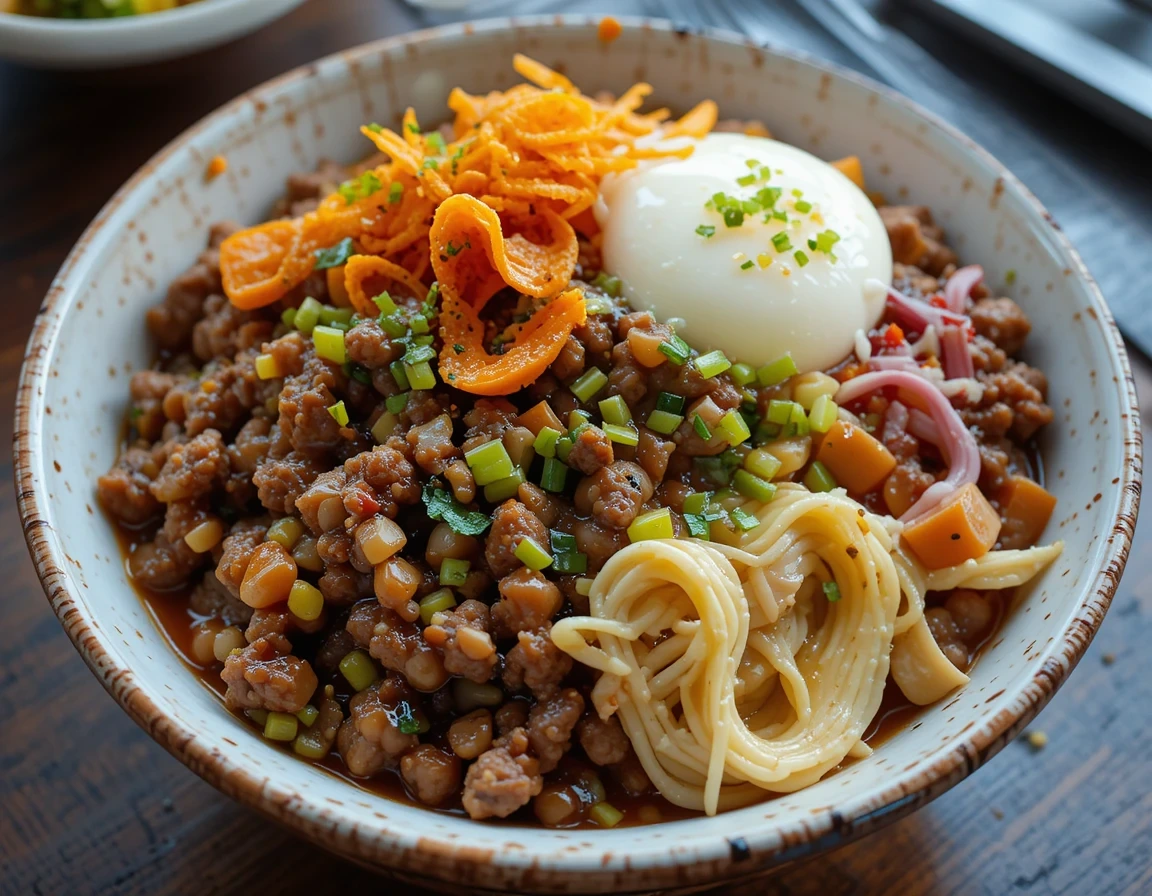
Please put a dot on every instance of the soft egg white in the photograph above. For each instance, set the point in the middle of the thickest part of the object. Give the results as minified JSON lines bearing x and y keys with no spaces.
{"x":753,"y":313}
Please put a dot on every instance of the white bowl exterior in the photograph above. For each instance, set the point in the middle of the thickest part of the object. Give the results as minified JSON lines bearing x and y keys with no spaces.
{"x":157,"y":225}
{"x":112,"y":43}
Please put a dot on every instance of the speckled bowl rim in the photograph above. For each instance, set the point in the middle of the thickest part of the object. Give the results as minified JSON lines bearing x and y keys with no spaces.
{"x":712,"y":859}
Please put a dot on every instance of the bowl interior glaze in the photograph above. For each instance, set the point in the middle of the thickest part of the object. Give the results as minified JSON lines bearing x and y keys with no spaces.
{"x":91,"y":337}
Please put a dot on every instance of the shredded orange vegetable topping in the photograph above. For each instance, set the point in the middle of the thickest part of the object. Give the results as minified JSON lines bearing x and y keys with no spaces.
{"x":497,"y":206}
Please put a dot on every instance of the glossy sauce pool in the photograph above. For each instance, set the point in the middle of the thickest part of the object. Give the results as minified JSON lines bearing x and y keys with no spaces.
{"x":171,"y":614}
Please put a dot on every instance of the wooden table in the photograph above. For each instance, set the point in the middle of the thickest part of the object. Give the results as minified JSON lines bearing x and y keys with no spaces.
{"x":88,"y":804}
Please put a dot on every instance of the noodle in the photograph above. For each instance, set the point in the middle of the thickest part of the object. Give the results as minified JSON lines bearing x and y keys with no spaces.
{"x":730,"y":670}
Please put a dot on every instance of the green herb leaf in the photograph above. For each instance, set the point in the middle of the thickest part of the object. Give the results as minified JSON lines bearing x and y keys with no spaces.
{"x":706,"y":230}
{"x":334,"y":256}
{"x":442,"y":505}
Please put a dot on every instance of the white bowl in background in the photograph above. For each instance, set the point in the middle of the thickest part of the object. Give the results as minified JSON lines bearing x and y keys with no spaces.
{"x":111,"y":43}
{"x":90,"y":336}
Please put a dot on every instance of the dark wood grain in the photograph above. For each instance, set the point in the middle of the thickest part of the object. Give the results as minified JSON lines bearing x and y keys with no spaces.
{"x":88,"y":804}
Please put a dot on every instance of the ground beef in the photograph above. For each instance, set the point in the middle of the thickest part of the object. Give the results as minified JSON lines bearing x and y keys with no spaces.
{"x":303,"y":408}
{"x":379,"y":481}
{"x":464,"y":636}
{"x":910,"y":280}
{"x":536,"y":663}
{"x":550,"y":725}
{"x":397,"y":645}
{"x":431,"y":775}
{"x":225,"y":330}
{"x":259,"y":677}
{"x":193,"y":469}
{"x":569,"y":364}
{"x":915,"y":238}
{"x":512,"y":522}
{"x":211,"y":598}
{"x":591,"y":451}
{"x":281,"y":481}
{"x":615,"y":494}
{"x":125,"y":491}
{"x":172,"y":321}
{"x":503,"y":779}
{"x":375,"y":713}
{"x":432,"y":446}
{"x":369,"y":346}
{"x":603,"y":740}
{"x":1001,"y":321}
{"x":528,"y":603}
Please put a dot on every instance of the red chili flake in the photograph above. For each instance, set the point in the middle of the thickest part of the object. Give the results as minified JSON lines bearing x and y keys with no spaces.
{"x":938,"y":302}
{"x":893,"y":336}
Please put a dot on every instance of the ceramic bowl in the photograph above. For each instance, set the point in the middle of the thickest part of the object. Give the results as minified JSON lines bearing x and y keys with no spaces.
{"x":90,"y":336}
{"x":111,"y":43}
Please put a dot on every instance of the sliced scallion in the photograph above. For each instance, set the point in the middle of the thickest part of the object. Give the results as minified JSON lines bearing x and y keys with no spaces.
{"x":664,"y":422}
{"x":751,"y":486}
{"x":670,"y":402}
{"x":339,"y":413}
{"x":735,"y":428}
{"x":818,"y":479}
{"x":589,"y":383}
{"x":615,"y":410}
{"x":532,"y":554}
{"x":454,"y":571}
{"x":554,"y":474}
{"x":651,"y":525}
{"x":621,"y":435}
{"x":712,"y":364}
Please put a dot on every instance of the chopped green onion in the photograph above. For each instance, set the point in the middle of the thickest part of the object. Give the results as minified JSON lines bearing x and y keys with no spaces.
{"x":818,"y":479}
{"x":825,"y":240}
{"x":554,"y":475}
{"x":801,"y":257}
{"x":589,"y":383}
{"x":831,"y":591}
{"x":706,"y":230}
{"x":781,"y":242}
{"x":501,"y":489}
{"x":823,"y":413}
{"x":288,"y":317}
{"x":437,"y":602}
{"x":803,"y":206}
{"x":334,"y":256}
{"x":358,"y":372}
{"x":605,"y":815}
{"x":701,"y":428}
{"x":742,"y":374}
{"x":330,"y":315}
{"x":420,"y":375}
{"x":577,"y":419}
{"x":697,"y":502}
{"x":562,"y":542}
{"x":752,"y":486}
{"x":308,"y":315}
{"x":670,"y":402}
{"x":714,"y":470}
{"x":531,"y":554}
{"x":664,"y":422}
{"x":310,"y":745}
{"x":436,"y":140}
{"x":395,"y":192}
{"x":735,"y":428}
{"x":396,"y":368}
{"x":417,"y":353}
{"x":584,"y":586}
{"x":308,"y":715}
{"x":698,"y":526}
{"x":396,"y":403}
{"x":570,"y":563}
{"x":454,"y":571}
{"x":1010,"y":276}
{"x":329,"y":344}
{"x":609,"y":284}
{"x":615,"y":410}
{"x":339,"y":413}
{"x":763,"y":463}
{"x":712,"y":364}
{"x":780,"y":411}
{"x":798,"y":423}
{"x":597,"y":304}
{"x":393,"y":324}
{"x":676,"y":350}
{"x":281,"y":726}
{"x":358,"y":669}
{"x":622,"y":435}
{"x":545,"y":444}
{"x":654,"y":524}
{"x":305,"y":601}
{"x":777,"y":371}
{"x":743,"y":520}
{"x":488,"y":453}
{"x":747,"y":266}
{"x":419,"y":325}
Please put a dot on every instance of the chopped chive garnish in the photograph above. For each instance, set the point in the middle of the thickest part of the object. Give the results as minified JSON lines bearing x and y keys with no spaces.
{"x":1010,"y":276}
{"x":589,"y":383}
{"x":454,"y":572}
{"x":492,"y":456}
{"x":781,"y":242}
{"x":396,"y":403}
{"x":701,"y":428}
{"x":420,"y":375}
{"x":742,"y":374}
{"x":339,"y":413}
{"x":746,"y":180}
{"x":744,"y":520}
{"x":747,"y":265}
{"x":752,"y":486}
{"x":663,"y":422}
{"x":439,"y":601}
{"x":413,"y":127}
{"x":329,"y":343}
{"x":675,"y":350}
{"x":613,"y":286}
{"x":777,"y":371}
{"x":823,"y":413}
{"x":554,"y":474}
{"x":395,"y":192}
{"x":651,"y":525}
{"x":375,"y":128}
{"x":532,"y":555}
{"x":712,"y":364}
{"x":825,"y":240}
{"x":803,"y":206}
{"x":706,"y":230}
{"x":622,"y":435}
{"x":818,"y":479}
{"x":436,"y":140}
{"x":670,"y":402}
{"x":697,"y":525}
{"x":801,"y":257}
{"x":761,"y":462}
{"x":735,"y":428}
{"x":384,"y":303}
{"x":503,"y":489}
{"x":831,"y":591}
{"x":570,"y":563}
{"x":396,"y":368}
{"x":545,"y":443}
{"x":697,"y":502}
{"x":614,"y":410}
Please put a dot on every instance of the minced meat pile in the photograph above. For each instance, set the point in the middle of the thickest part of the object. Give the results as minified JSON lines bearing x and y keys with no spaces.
{"x":366,"y":601}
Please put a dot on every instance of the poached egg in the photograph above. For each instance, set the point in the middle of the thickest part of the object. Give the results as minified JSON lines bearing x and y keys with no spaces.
{"x":752,"y":247}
